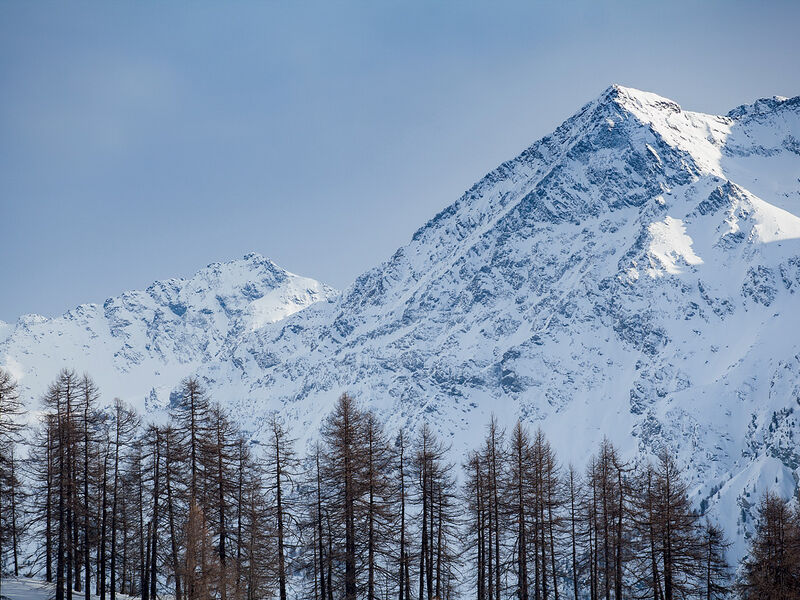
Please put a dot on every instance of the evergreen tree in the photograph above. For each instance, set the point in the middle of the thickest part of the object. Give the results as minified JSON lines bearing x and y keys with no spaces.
{"x":280,"y":468}
{"x":677,"y":525}
{"x":10,"y":410}
{"x":201,"y":564}
{"x":343,"y":471}
{"x":376,"y":503}
{"x":124,"y":425}
{"x":190,"y":416}
{"x":518,"y":489}
{"x":610,"y":536}
{"x":218,"y":456}
{"x":771,"y":571}
{"x":173,"y":473}
{"x":434,"y":498}
{"x":403,"y":560}
{"x":10,"y":485}
{"x":189,"y":508}
{"x":716,"y":573}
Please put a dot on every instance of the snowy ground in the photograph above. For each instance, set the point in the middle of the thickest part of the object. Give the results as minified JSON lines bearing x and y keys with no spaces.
{"x":26,"y":589}
{"x":35,"y":589}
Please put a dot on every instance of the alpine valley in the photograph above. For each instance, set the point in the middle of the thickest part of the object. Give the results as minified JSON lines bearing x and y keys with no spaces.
{"x":634,"y":275}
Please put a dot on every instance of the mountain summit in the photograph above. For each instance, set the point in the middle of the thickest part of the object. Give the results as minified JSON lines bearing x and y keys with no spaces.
{"x":140,"y":344}
{"x":635,"y":275}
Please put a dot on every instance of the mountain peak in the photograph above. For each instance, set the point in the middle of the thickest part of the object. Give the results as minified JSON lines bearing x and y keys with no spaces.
{"x":145,"y":340}
{"x":251,"y":260}
{"x":257,"y":258}
{"x":764,"y":106}
{"x":637,"y":101}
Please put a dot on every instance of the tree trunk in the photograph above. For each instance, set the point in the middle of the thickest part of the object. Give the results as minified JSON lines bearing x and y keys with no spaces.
{"x":439,"y":550}
{"x":279,"y":506}
{"x":481,"y":524}
{"x":424,"y":542}
{"x":176,"y":569}
{"x":113,"y":561}
{"x":620,"y":509}
{"x":144,"y":540}
{"x":86,"y":558}
{"x":154,"y":550}
{"x":61,"y":512}
{"x":101,"y":559}
{"x":401,"y":575}
{"x":48,"y":510}
{"x":320,"y":532}
{"x":14,"y":541}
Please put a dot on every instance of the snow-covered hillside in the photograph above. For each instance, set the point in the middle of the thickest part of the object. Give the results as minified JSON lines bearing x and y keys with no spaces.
{"x":138,"y":346}
{"x":635,"y":274}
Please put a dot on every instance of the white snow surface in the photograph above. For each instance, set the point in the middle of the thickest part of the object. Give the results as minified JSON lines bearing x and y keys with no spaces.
{"x":633,"y":275}
{"x":139,"y":346}
{"x":23,"y":588}
{"x":671,"y":246}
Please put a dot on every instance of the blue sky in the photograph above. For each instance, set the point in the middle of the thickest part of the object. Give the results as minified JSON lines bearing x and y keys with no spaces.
{"x":141,"y":141}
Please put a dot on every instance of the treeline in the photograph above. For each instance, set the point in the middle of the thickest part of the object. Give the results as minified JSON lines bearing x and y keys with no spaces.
{"x":103,"y":503}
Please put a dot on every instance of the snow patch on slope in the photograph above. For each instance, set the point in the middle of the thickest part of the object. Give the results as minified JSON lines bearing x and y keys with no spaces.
{"x":297,"y":293}
{"x":21,"y":588}
{"x":671,"y":246}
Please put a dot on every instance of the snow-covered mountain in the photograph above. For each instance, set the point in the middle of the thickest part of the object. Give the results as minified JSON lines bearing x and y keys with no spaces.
{"x":139,"y":345}
{"x":636,"y":274}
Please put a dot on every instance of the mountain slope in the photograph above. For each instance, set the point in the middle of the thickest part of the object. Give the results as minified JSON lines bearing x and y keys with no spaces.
{"x":141,"y":344}
{"x":635,"y":274}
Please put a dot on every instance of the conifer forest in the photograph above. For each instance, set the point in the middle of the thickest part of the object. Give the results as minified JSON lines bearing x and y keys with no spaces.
{"x":101,"y":502}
